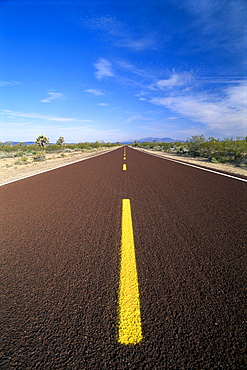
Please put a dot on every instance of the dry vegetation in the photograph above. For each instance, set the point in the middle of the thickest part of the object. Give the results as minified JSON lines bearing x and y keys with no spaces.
{"x":227,"y":155}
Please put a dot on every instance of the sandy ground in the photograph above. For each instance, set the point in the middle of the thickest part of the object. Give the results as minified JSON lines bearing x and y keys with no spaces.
{"x":202,"y":162}
{"x":15,"y":168}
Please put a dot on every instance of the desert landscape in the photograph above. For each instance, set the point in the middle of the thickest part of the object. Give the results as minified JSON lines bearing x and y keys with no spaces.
{"x":18,"y":167}
{"x":199,"y":161}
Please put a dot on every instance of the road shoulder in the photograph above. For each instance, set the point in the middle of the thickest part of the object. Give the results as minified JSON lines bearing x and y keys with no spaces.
{"x":13,"y":169}
{"x":202,"y":162}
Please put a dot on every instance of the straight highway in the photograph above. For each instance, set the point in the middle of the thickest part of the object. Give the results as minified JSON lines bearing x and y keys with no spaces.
{"x":124,"y":261}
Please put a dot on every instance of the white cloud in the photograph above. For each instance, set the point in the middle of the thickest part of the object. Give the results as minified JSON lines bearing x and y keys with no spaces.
{"x":220,"y":80}
{"x":95,"y":92}
{"x":227,"y":114}
{"x":119,"y":33}
{"x":9,"y":83}
{"x":17,"y":124}
{"x":137,"y":44}
{"x":102,"y":104}
{"x":40,"y":116}
{"x":51,"y":95}
{"x":137,"y":117}
{"x":103,"y":69}
{"x":175,"y":80}
{"x":237,"y":96}
{"x":220,"y":24}
{"x":126,"y":66}
{"x":141,"y":95}
{"x":106,"y":23}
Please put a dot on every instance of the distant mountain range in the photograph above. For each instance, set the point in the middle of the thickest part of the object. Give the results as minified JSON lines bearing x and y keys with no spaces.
{"x":142,"y":140}
{"x":17,"y":142}
{"x":152,"y":139}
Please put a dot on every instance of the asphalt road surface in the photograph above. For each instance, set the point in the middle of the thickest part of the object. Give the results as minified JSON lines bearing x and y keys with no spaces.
{"x":61,"y":235}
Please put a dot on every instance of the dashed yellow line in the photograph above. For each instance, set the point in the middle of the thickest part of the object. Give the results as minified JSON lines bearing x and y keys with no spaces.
{"x":124,"y":167}
{"x":130,"y":329}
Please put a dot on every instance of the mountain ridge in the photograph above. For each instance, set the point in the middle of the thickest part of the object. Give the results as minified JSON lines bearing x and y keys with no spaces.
{"x":153,"y":139}
{"x":142,"y":140}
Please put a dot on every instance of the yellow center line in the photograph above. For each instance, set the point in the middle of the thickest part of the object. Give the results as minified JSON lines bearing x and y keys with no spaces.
{"x":124,"y":157}
{"x":124,"y":167}
{"x":130,"y":329}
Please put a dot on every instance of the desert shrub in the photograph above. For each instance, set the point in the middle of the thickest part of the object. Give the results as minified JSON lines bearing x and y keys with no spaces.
{"x":227,"y":150}
{"x":196,"y":145}
{"x":22,"y":160}
{"x":19,"y":154}
{"x":242,"y":161}
{"x":39,"y":157}
{"x":215,"y":150}
{"x":53,"y":148}
{"x":182,"y":149}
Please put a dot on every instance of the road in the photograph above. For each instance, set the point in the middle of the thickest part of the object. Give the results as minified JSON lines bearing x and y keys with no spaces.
{"x":61,"y":240}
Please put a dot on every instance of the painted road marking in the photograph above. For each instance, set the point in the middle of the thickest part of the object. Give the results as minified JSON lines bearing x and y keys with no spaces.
{"x":55,"y":168}
{"x":124,"y":167}
{"x":130,"y":329}
{"x":192,"y":165}
{"x":124,"y":158}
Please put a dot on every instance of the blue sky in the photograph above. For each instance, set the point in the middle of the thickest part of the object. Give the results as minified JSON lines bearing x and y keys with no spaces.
{"x":122,"y":69}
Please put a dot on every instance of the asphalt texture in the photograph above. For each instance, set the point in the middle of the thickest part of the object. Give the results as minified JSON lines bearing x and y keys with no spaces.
{"x":60,"y":253}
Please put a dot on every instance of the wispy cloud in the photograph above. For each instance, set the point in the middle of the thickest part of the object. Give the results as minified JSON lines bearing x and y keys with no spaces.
{"x":103,"y":69}
{"x":40,"y":116}
{"x":131,"y":68}
{"x":225,"y":113}
{"x":103,"y":104}
{"x":51,"y":95}
{"x":105,"y":23}
{"x":9,"y":83}
{"x":17,"y":124}
{"x":119,"y":33}
{"x":220,"y":80}
{"x":220,"y":24}
{"x":176,"y":79}
{"x":141,"y":96}
{"x":95,"y":92}
{"x":137,"y":117}
{"x":137,"y":44}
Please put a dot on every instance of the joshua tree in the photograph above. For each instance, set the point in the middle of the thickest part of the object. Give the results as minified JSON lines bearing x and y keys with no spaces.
{"x":60,"y":141}
{"x":42,"y":141}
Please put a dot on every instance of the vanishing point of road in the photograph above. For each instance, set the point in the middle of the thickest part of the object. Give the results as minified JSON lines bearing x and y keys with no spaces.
{"x":124,"y":261}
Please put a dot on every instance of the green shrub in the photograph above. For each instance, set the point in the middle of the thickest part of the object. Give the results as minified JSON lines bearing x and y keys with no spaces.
{"x":215,"y":150}
{"x":39,"y":157}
